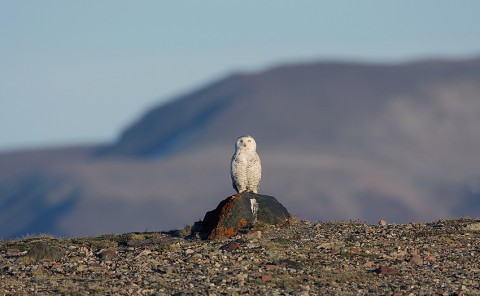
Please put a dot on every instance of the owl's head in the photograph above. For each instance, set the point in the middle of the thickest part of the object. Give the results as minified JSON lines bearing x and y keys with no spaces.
{"x":246,"y":143}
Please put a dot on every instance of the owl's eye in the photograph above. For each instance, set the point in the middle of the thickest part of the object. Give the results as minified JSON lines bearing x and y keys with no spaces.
{"x":249,"y":140}
{"x":241,"y":141}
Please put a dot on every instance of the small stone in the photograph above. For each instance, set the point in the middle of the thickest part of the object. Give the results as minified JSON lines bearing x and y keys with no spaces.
{"x":398,"y":293}
{"x":386,"y":270}
{"x":300,"y":293}
{"x":255,"y":235}
{"x":189,"y":251}
{"x":416,"y":260}
{"x":241,"y":277}
{"x":94,"y":266}
{"x":108,"y":254}
{"x":271,"y":267}
{"x":369,"y":264}
{"x":266,"y":278}
{"x":325,"y":245}
{"x":430,"y":258}
{"x":382,"y":223}
{"x":355,"y":250}
{"x":144,"y":253}
{"x":231,"y":246}
{"x":197,"y":256}
{"x":81,"y":268}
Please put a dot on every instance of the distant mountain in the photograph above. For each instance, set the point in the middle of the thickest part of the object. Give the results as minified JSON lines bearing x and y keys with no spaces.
{"x":337,"y":140}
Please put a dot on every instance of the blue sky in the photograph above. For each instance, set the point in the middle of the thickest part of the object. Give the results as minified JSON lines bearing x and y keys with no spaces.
{"x":80,"y":71}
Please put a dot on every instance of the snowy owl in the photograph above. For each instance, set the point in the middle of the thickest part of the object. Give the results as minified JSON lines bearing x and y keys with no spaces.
{"x":246,"y":169}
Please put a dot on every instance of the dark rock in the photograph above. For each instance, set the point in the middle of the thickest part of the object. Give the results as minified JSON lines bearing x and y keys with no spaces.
{"x":42,"y":250}
{"x":270,"y":210}
{"x":239,"y":213}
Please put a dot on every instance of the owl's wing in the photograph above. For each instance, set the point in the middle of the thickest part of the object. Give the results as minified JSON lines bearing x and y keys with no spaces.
{"x":257,"y":164}
{"x":233,"y":168}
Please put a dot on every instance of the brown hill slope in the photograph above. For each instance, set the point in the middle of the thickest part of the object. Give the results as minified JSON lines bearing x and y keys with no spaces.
{"x":337,"y":141}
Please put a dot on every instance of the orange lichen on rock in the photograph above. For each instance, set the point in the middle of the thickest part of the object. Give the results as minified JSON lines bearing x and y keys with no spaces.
{"x":226,"y":210}
{"x":242,"y":223}
{"x":221,"y":231}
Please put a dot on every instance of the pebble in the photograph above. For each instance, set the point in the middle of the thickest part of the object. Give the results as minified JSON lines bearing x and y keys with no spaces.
{"x":81,"y":268}
{"x":382,"y":223}
{"x":107,"y":254}
{"x":231,"y":246}
{"x":266,"y":278}
{"x":386,"y":270}
{"x":416,"y":260}
{"x":355,"y":250}
{"x":255,"y":235}
{"x":271,"y":267}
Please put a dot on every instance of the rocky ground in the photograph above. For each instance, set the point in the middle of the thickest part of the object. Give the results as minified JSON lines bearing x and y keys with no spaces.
{"x":298,"y":258}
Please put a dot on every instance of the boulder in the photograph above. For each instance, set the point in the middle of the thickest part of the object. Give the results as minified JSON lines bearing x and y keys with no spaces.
{"x":240,"y":212}
{"x":43,"y":250}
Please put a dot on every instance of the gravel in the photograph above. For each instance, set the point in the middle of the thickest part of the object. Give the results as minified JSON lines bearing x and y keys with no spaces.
{"x":298,"y":258}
